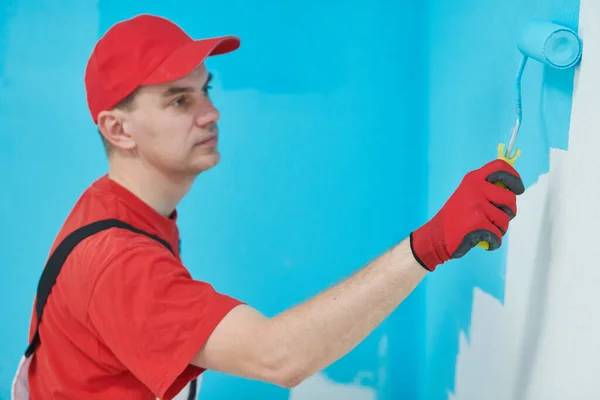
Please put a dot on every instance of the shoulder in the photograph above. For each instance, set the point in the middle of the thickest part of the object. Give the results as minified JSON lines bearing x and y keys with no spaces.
{"x":126,"y":247}
{"x":119,"y":254}
{"x":116,"y":258}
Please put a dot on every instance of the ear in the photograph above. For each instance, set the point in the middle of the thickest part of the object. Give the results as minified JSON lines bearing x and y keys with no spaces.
{"x":111,"y":125}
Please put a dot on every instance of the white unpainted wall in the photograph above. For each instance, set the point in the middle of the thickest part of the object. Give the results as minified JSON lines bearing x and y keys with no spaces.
{"x":544,"y":342}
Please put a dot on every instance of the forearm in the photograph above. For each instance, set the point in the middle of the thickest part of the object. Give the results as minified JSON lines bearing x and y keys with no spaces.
{"x":316,"y":333}
{"x":299,"y":342}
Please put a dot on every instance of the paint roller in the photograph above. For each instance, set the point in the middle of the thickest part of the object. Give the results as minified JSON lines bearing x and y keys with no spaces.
{"x":550,"y":44}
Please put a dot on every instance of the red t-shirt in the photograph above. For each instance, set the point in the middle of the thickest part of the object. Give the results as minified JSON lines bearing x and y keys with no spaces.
{"x":125,"y":317}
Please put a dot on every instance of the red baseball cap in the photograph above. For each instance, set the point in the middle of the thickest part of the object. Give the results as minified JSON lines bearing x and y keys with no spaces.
{"x":144,"y":50}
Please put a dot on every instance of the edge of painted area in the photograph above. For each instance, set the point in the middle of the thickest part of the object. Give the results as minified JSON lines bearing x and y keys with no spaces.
{"x":537,"y":344}
{"x":490,"y":80}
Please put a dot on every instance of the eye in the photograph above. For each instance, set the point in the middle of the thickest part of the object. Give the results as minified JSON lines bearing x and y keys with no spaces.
{"x":206,"y":89}
{"x":180,"y":101}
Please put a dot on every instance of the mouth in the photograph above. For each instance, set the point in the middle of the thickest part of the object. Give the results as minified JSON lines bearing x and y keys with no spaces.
{"x":209,"y":141}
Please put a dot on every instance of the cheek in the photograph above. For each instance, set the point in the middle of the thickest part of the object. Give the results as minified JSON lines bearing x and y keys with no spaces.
{"x":175,"y":141}
{"x":165,"y":135}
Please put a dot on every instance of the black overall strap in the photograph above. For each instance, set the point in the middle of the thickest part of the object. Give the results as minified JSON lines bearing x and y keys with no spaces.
{"x":58,"y":258}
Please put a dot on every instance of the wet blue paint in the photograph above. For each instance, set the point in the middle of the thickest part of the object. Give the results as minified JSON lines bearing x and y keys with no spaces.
{"x":472,"y":69}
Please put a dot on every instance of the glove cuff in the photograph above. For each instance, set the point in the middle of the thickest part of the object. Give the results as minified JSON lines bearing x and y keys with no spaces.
{"x":427,"y":245}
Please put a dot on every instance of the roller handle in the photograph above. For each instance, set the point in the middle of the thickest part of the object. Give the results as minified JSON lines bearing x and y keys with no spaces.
{"x":511,"y":160}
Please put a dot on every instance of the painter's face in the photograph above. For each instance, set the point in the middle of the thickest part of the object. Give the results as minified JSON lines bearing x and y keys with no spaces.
{"x":174,"y":125}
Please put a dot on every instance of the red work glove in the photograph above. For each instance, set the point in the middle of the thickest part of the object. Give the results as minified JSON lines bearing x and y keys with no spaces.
{"x":477,"y":211}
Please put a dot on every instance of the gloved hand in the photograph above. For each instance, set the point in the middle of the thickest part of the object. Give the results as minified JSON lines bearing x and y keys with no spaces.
{"x":477,"y":211}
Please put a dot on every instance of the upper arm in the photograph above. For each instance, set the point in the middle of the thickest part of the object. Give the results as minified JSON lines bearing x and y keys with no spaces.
{"x":245,"y":343}
{"x":146,"y":308}
{"x":239,"y":346}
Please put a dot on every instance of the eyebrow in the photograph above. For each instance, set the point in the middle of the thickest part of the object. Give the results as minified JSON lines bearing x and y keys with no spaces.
{"x":173,"y":90}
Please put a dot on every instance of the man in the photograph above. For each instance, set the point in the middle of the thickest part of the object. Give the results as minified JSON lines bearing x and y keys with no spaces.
{"x":125,"y":320}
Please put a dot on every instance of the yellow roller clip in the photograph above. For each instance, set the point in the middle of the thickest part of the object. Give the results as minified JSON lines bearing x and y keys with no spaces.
{"x":511,"y":160}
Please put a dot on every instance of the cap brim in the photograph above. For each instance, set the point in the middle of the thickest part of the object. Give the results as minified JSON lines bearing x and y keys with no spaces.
{"x":189,"y":56}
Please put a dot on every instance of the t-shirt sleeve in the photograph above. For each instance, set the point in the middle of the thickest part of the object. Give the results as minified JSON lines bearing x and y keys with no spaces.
{"x":154,"y":317}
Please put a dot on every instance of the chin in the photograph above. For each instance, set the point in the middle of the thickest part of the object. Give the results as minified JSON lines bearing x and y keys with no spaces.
{"x":206,"y":162}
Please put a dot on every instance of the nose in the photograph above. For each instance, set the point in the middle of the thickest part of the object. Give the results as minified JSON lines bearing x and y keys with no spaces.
{"x":207,"y":114}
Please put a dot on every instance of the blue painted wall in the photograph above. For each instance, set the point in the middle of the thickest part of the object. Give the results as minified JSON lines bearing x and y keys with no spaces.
{"x":342,"y":122}
{"x":322,"y":158}
{"x":473,"y":61}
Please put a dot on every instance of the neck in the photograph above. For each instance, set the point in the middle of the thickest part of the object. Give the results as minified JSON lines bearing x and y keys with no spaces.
{"x":160,"y":191}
